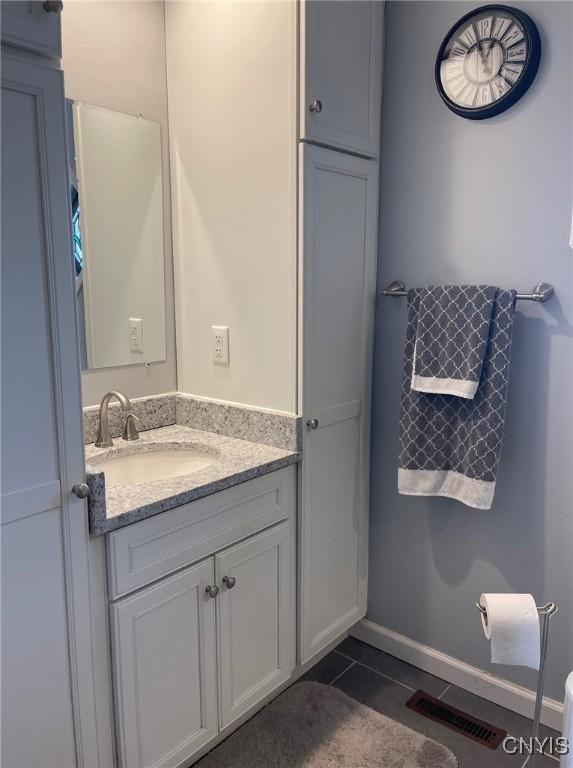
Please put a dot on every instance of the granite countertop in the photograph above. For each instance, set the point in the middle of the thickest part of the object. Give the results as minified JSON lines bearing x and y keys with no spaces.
{"x":235,"y":461}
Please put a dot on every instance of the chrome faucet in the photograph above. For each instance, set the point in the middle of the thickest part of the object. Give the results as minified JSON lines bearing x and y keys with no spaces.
{"x":103,"y":439}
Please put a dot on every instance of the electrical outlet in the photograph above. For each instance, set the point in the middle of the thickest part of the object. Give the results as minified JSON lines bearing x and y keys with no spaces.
{"x":135,"y":334}
{"x":220,"y":344}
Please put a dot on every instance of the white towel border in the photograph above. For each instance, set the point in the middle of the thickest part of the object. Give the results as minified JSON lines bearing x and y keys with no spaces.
{"x":438,"y":386}
{"x":446,"y":482}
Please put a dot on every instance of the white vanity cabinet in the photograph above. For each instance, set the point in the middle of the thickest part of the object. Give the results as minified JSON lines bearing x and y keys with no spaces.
{"x":33,"y":26}
{"x":195,"y":650}
{"x":341,"y":74}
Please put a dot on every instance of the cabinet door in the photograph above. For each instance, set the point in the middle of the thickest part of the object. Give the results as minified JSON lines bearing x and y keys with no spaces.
{"x":339,"y":231}
{"x":29,"y":25}
{"x":164,"y":667}
{"x":256,"y":639}
{"x":342,"y":69}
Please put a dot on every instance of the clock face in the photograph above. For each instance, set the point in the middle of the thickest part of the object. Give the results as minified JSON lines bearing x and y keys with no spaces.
{"x":487,"y":61}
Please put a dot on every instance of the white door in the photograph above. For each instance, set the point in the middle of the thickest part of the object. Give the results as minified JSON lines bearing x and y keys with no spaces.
{"x":341,"y":73}
{"x":48,"y":708}
{"x":32,"y":25}
{"x":339,"y":231}
{"x":256,"y":625}
{"x":164,"y":668}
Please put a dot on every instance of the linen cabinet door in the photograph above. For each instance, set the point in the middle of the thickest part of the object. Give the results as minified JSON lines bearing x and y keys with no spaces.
{"x":164,"y":668}
{"x":256,"y":629}
{"x":49,"y":646}
{"x":341,"y":73}
{"x":338,"y":216}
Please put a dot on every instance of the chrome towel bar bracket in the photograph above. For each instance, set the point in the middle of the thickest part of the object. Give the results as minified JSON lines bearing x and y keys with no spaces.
{"x":542,"y":291}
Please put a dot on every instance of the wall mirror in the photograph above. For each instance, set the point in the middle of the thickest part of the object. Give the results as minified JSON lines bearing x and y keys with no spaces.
{"x":117,"y":227}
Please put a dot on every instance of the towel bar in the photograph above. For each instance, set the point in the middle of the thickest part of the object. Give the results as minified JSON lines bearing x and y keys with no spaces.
{"x":542,"y":291}
{"x":546,"y":612}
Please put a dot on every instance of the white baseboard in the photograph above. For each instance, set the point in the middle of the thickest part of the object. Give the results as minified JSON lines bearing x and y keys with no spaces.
{"x":488,"y":686}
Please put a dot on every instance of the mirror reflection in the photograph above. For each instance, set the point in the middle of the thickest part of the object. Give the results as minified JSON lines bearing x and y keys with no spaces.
{"x":117,"y":228}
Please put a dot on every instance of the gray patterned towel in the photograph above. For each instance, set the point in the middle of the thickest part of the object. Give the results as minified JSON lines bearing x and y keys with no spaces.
{"x":451,"y":337}
{"x":450,"y":446}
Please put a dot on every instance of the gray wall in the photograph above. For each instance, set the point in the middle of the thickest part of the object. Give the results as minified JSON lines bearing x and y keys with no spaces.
{"x":486,"y":202}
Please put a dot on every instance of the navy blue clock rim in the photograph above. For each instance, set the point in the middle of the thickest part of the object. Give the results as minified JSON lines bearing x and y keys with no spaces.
{"x":529,"y":70}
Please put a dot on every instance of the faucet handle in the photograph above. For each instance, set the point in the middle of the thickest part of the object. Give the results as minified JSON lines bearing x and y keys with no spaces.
{"x":130,"y":429}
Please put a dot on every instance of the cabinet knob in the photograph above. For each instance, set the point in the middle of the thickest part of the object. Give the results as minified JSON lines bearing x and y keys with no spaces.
{"x":81,"y":490}
{"x":229,"y":581}
{"x":316,"y":106}
{"x":53,"y":6}
{"x":312,"y":423}
{"x":212,"y":590}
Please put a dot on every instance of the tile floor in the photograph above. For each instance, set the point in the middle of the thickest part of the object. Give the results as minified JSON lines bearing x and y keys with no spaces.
{"x":386,"y":683}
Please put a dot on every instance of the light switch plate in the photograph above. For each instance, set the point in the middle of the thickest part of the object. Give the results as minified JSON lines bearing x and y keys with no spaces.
{"x":220,"y":344}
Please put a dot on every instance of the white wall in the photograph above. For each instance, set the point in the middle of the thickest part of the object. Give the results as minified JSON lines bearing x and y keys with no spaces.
{"x":114,"y":57}
{"x":232,"y":113}
{"x":479,"y":202}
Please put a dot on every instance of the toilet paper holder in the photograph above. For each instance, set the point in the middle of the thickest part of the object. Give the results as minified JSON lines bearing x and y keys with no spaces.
{"x":546,"y":612}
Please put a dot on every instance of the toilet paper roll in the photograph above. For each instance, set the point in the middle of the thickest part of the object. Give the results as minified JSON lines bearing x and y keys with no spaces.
{"x":512,"y":626}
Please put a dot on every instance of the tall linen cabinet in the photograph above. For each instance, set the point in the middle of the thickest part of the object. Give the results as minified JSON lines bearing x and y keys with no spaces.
{"x":274,"y":168}
{"x":51,"y":654}
{"x":340,"y":91}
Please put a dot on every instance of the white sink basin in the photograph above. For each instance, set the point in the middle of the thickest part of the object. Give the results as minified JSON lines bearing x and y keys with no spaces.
{"x":155,"y":464}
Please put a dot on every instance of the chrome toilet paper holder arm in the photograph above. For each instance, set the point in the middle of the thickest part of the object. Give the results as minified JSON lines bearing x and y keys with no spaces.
{"x":543,"y":610}
{"x":546,"y":612}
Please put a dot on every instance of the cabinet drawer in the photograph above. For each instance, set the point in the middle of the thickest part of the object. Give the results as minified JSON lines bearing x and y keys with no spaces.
{"x":151,"y":549}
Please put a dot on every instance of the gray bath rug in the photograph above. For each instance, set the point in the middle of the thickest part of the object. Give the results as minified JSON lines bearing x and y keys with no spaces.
{"x":316,"y":726}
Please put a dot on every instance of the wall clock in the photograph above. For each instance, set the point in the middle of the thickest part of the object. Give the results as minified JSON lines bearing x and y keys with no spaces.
{"x":487,"y":61}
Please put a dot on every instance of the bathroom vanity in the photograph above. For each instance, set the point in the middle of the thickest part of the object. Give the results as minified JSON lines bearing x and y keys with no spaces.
{"x":202,"y":611}
{"x":200,"y":548}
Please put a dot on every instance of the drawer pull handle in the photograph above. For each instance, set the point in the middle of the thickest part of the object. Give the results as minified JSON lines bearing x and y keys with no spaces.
{"x":229,"y":581}
{"x":212,"y":590}
{"x":316,"y":106}
{"x":312,"y":423}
